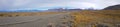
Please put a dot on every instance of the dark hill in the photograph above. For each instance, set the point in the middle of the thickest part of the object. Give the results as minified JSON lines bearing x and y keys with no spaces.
{"x":114,"y":7}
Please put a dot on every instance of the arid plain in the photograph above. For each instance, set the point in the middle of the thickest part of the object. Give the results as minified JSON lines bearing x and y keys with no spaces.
{"x":83,"y":18}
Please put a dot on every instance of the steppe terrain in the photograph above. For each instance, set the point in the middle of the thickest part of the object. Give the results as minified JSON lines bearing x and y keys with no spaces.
{"x":83,"y":18}
{"x":101,"y":18}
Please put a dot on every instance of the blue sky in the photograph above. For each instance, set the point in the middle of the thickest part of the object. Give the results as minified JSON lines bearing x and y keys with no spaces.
{"x":40,"y":4}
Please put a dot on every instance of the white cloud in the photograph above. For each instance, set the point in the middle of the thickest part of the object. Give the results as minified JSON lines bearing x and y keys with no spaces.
{"x":21,"y":2}
{"x":17,"y":4}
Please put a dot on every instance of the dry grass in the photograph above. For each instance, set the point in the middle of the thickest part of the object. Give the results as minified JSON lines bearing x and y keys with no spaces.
{"x":27,"y":14}
{"x":93,"y":18}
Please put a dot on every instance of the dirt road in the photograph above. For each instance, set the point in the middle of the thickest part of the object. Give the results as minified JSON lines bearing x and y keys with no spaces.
{"x":34,"y":21}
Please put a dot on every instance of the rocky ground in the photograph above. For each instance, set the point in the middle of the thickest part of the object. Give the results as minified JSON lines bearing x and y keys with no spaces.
{"x":54,"y":20}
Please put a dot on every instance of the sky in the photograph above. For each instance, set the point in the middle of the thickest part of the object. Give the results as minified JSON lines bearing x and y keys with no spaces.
{"x":47,"y":4}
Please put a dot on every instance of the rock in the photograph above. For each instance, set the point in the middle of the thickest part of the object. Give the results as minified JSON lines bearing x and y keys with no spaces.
{"x":51,"y":25}
{"x":101,"y":25}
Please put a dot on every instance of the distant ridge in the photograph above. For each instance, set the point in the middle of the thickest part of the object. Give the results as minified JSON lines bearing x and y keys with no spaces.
{"x":21,"y":11}
{"x":114,"y":7}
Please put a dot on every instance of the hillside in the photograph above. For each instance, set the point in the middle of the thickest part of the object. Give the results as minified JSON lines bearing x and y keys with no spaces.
{"x":114,"y":7}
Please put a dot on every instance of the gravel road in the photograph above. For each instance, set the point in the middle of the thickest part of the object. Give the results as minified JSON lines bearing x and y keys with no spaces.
{"x":33,"y":21}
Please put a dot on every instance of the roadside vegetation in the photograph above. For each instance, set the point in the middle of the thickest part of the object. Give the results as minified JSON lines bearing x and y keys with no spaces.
{"x":27,"y":14}
{"x":98,"y":18}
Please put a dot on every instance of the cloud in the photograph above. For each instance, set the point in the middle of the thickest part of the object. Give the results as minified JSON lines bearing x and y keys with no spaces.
{"x":23,"y":4}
